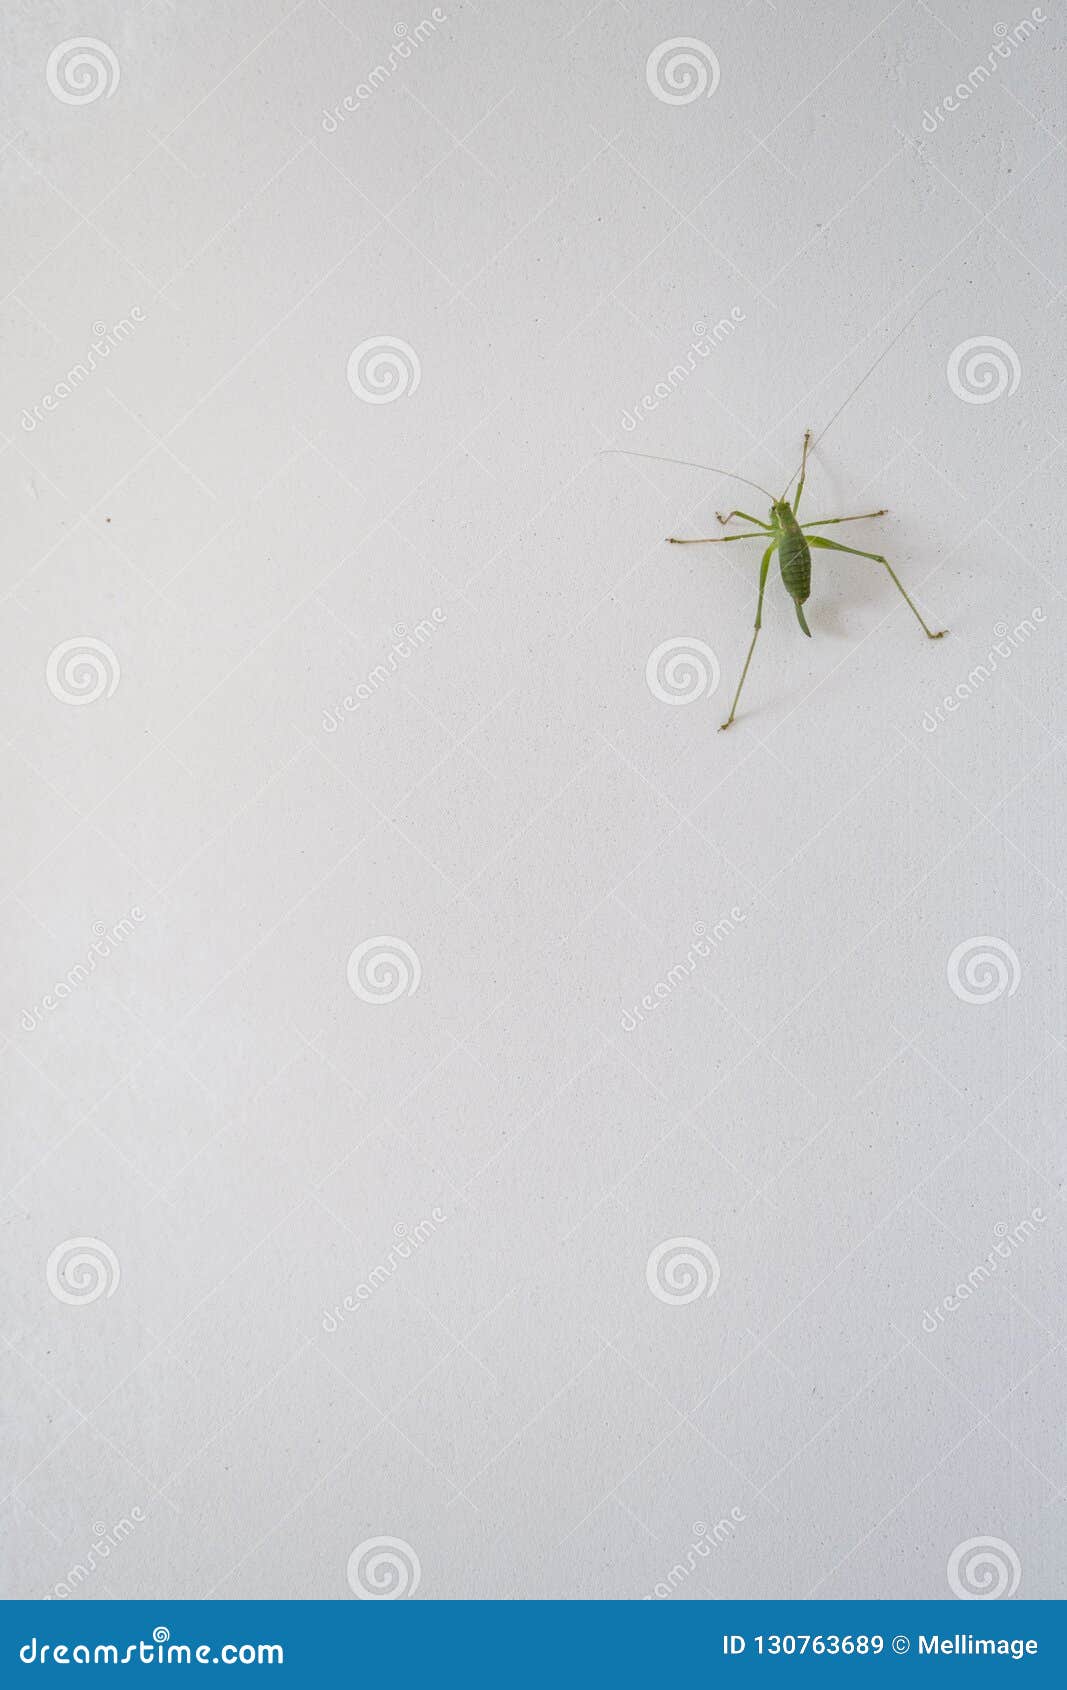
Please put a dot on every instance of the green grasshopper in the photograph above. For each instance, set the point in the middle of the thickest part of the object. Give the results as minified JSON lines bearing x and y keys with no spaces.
{"x":791,"y":539}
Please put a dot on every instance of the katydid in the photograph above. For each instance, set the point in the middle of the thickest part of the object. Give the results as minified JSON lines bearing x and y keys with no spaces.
{"x":793,"y":540}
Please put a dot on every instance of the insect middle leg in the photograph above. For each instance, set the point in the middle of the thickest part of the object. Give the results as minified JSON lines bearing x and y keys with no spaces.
{"x":718,"y":539}
{"x":763,"y":568}
{"x":834,"y":546}
{"x":826,"y":521}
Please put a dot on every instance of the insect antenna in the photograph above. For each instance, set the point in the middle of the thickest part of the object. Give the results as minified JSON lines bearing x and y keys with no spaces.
{"x":850,"y":396}
{"x":655,"y":457}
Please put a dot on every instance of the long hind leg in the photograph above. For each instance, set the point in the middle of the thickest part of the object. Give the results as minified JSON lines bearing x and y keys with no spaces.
{"x":833,"y":546}
{"x":763,"y":568}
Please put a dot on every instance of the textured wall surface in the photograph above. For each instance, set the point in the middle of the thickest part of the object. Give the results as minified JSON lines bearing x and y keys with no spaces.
{"x":472,"y":1128}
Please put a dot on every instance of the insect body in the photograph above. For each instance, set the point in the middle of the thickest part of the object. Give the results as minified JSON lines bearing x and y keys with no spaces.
{"x":794,"y":557}
{"x":793,"y":540}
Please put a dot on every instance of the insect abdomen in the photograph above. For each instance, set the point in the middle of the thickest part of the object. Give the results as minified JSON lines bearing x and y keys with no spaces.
{"x":795,"y":560}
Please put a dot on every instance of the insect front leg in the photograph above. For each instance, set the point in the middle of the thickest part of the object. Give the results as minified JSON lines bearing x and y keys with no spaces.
{"x":833,"y":546}
{"x":803,"y":468}
{"x":743,"y":514}
{"x":763,"y":568}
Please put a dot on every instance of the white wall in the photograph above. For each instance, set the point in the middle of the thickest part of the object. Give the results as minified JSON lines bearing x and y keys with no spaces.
{"x":216,"y":508}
